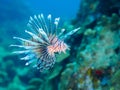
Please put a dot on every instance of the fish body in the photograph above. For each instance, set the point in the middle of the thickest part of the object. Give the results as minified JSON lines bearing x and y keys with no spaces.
{"x":44,"y":43}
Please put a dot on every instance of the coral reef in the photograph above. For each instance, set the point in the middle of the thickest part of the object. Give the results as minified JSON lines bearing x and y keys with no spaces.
{"x":97,"y":58}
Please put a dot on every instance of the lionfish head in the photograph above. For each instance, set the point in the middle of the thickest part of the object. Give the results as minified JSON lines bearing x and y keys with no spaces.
{"x":44,"y":43}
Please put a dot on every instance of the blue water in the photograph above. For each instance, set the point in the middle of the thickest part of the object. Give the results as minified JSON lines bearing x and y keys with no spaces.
{"x":66,"y":9}
{"x":14,"y":10}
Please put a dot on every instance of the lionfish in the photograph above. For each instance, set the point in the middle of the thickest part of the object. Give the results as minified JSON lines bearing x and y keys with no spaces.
{"x":44,"y":43}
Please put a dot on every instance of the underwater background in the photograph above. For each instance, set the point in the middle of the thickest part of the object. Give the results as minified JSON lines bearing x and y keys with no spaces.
{"x":93,"y":61}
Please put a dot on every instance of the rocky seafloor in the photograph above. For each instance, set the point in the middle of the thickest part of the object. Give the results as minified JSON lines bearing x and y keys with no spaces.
{"x":93,"y":63}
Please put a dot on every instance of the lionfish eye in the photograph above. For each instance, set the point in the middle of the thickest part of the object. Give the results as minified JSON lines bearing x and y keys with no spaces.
{"x":44,"y":43}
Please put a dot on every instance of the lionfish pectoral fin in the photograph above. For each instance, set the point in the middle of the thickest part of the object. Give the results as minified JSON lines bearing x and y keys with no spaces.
{"x":28,"y":57}
{"x":25,"y":40}
{"x":70,"y":33}
{"x":22,"y":46}
{"x":45,"y":63}
{"x":21,"y":52}
{"x":29,"y":62}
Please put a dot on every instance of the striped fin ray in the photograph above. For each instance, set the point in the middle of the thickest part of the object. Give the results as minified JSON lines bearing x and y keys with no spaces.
{"x":35,"y":37}
{"x":23,"y":46}
{"x":43,"y":23}
{"x":28,"y":57}
{"x":32,"y":26}
{"x":53,"y":32}
{"x":61,"y":33}
{"x":45,"y":63}
{"x":69,"y":33}
{"x":44,"y":35}
{"x":44,"y":52}
{"x":56,"y":22}
{"x":38,"y":23}
{"x":29,"y":62}
{"x":22,"y":52}
{"x":25,"y":40}
{"x":49,"y":24}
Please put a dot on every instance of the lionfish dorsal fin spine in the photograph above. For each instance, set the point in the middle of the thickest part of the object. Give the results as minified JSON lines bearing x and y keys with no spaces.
{"x":37,"y":21}
{"x":50,"y":24}
{"x":33,"y":23}
{"x":40,"y":26}
{"x":56,"y":22}
{"x":43,"y":23}
{"x":35,"y":36}
{"x":44,"y":35}
{"x":28,"y":57}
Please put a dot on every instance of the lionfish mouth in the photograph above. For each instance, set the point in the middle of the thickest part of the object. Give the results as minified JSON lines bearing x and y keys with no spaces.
{"x":44,"y":43}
